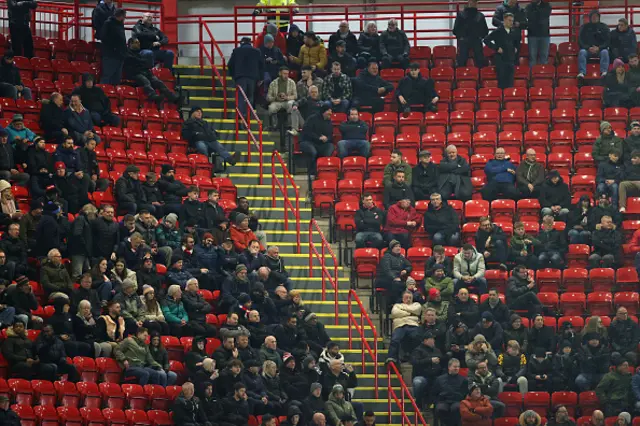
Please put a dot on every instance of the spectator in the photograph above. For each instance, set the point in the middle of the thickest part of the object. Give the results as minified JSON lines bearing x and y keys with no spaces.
{"x":596,"y":419}
{"x":538,"y":16}
{"x":62,"y":323}
{"x":631,"y":180}
{"x":288,"y":334}
{"x":317,"y":137}
{"x":167,"y":234}
{"x":468,"y":270}
{"x":197,"y":309}
{"x":273,"y":60}
{"x":178,"y":272}
{"x":539,"y":370}
{"x":22,"y":357}
{"x":151,"y":42}
{"x":397,"y":163}
{"x":110,"y":327}
{"x":632,"y":142}
{"x":307,"y":79}
{"x":613,"y":390}
{"x":137,"y":68}
{"x":105,"y":234}
{"x":154,"y":318}
{"x":454,"y":180}
{"x":427,"y":361}
{"x":295,"y":40}
{"x":555,"y":197}
{"x":491,"y":241}
{"x":7,"y":416}
{"x":11,"y":85}
{"x":227,"y":258}
{"x":369,"y":88}
{"x":541,"y":336}
{"x":496,"y":307}
{"x":279,"y":37}
{"x":503,"y":42}
{"x":519,"y":22}
{"x":312,"y":53}
{"x":96,"y":102}
{"x":425,"y":176}
{"x":593,"y":361}
{"x":434,"y":302}
{"x":522,"y":247}
{"x":394,"y":46}
{"x":564,"y":367}
{"x":623,"y":334}
{"x":369,"y":220}
{"x":398,"y":190}
{"x":52,"y":118}
{"x":305,"y":108}
{"x":449,"y":390}
{"x":417,"y":92}
{"x":578,"y":221}
{"x":490,"y":386}
{"x":281,"y":96}
{"x":103,"y":10}
{"x":148,"y":275}
{"x":463,"y":309}
{"x":345,"y":59}
{"x":172,"y":190}
{"x":237,"y":407}
{"x":552,"y":245}
{"x":134,"y":356}
{"x":114,"y":47}
{"x":618,"y":91}
{"x":561,"y":417}
{"x":343,"y":34}
{"x":246,"y":67}
{"x":470,"y":28}
{"x":623,"y":41}
{"x":441,"y":222}
{"x":14,"y":248}
{"x":439,"y":281}
{"x":337,"y":407}
{"x":79,"y":122}
{"x":530,"y":175}
{"x":128,"y":191}
{"x":476,"y":408}
{"x":491,"y":331}
{"x":595,"y":41}
{"x":203,"y":137}
{"x":153,"y":194}
{"x":81,"y":240}
{"x":8,"y":166}
{"x":606,"y":143}
{"x":521,"y":291}
{"x":161,"y":356}
{"x":607,"y":241}
{"x":530,"y":418}
{"x":71,"y":183}
{"x":406,"y":320}
{"x":501,"y":175}
{"x":512,"y":367}
{"x":88,"y":163}
{"x":54,"y":276}
{"x":132,"y":308}
{"x":457,"y":339}
{"x":18,"y":132}
{"x":242,"y":206}
{"x":241,"y":234}
{"x":402,"y":219}
{"x":174,"y":312}
{"x":392,"y":270}
{"x":50,"y":352}
{"x":232,"y":287}
{"x":337,"y":91}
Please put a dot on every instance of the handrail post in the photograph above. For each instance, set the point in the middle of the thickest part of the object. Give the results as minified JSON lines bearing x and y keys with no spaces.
{"x":261,"y":161}
{"x":311,"y":246}
{"x":273,"y":180}
{"x":389,"y":390}
{"x":213,"y":73}
{"x":238,"y":118}
{"x":349,"y":316}
{"x":201,"y":45}
{"x":224,"y":86}
{"x":322,"y":261}
{"x":248,"y":127}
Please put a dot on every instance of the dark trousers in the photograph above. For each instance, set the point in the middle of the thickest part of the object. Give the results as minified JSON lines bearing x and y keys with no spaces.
{"x":133,"y":208}
{"x":376,"y":104}
{"x":21,"y":40}
{"x":152,"y":83}
{"x":159,"y":326}
{"x":249,"y":87}
{"x":313,"y":151}
{"x":389,"y":60}
{"x":505,"y":72}
{"x":448,"y":413}
{"x":403,"y":337}
{"x":526,"y":301}
{"x":463,"y":52}
{"x":111,"y":70}
{"x":105,"y":118}
{"x":199,"y":328}
{"x":448,"y":192}
{"x":74,"y":348}
{"x":403,"y":238}
{"x":494,"y":190}
{"x":525,"y":193}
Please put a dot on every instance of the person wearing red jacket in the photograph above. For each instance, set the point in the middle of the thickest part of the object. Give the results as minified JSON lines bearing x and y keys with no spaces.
{"x":402,"y":219}
{"x":279,"y":40}
{"x":241,"y":234}
{"x":475,"y":409}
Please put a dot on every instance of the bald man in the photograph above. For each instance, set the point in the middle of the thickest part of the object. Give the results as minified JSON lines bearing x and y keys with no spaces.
{"x":151,"y":42}
{"x":530,"y":176}
{"x":319,"y":420}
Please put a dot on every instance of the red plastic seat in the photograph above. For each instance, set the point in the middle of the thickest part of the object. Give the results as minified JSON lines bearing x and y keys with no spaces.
{"x":365,"y":262}
{"x":67,"y":393}
{"x":599,"y":303}
{"x":588,"y":402}
{"x":575,"y":279}
{"x":629,"y":300}
{"x":324,"y":193}
{"x":112,"y":394}
{"x":46,"y":415}
{"x":538,"y":402}
{"x":513,"y":402}
{"x":474,"y":209}
{"x":568,"y":399}
{"x":44,"y":392}
{"x":137,"y":417}
{"x":626,"y":279}
{"x":70,"y":416}
{"x":344,"y":216}
{"x":114,"y":416}
{"x":92,"y":416}
{"x":573,"y":303}
{"x":602,"y":279}
{"x":157,"y":395}
{"x":109,"y":370}
{"x":90,"y":394}
{"x":548,"y":279}
{"x":159,"y":418}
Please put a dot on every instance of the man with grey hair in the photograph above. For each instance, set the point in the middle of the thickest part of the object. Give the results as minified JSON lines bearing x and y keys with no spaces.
{"x":344,"y":34}
{"x":368,"y":45}
{"x":394,"y":46}
{"x":197,"y":309}
{"x":151,"y":42}
{"x":454,"y":179}
{"x":278,"y":274}
{"x":54,"y":276}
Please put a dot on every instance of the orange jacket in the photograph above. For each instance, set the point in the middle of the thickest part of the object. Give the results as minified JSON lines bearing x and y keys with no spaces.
{"x":481,"y":414}
{"x":242,"y":238}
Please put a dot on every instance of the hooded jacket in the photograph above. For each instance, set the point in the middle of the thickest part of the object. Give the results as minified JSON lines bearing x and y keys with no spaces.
{"x":394,"y":43}
{"x":100,"y":14}
{"x":338,"y":408}
{"x":114,"y":41}
{"x":473,"y":267}
{"x":538,"y":17}
{"x":470,"y":24}
{"x":623,"y":335}
{"x":631,"y":143}
{"x":555,"y":194}
{"x":594,"y":34}
{"x":366,"y":85}
{"x":92,"y":98}
{"x":279,"y":39}
{"x":604,"y":145}
{"x":579,"y":216}
{"x":294,"y":43}
{"x":522,"y":419}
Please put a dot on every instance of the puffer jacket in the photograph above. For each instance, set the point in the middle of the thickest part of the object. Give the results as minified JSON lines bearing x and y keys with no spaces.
{"x":369,"y":43}
{"x":476,"y":412}
{"x":474,"y":267}
{"x":55,"y":278}
{"x":197,"y":308}
{"x":391,"y":265}
{"x":312,"y":55}
{"x":623,"y":335}
{"x":403,"y":314}
{"x":394,"y":43}
{"x":338,"y":408}
{"x":422,"y":364}
{"x":397,"y":219}
{"x":16,"y":348}
{"x":597,"y":34}
{"x":174,"y":311}
{"x":168,"y":237}
{"x":136,"y":352}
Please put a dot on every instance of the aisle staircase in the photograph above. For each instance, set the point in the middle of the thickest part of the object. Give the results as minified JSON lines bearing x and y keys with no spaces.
{"x":245,"y":175}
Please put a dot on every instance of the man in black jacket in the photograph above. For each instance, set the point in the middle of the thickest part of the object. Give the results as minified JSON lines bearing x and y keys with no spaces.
{"x":538,"y":14}
{"x":594,"y":40}
{"x":491,"y":242}
{"x":394,"y":46}
{"x":20,"y":353}
{"x":345,"y":59}
{"x":317,"y":137}
{"x":203,"y":137}
{"x":188,"y":409}
{"x":521,"y":291}
{"x":343,"y":34}
{"x":103,"y":10}
{"x":631,"y":182}
{"x":503,"y":40}
{"x":8,"y":170}
{"x":88,"y":162}
{"x":10,"y":82}
{"x":414,"y":90}
{"x":607,"y":243}
{"x":354,"y":136}
{"x":237,"y":407}
{"x":470,"y":28}
{"x":14,"y":248}
{"x":428,"y":362}
{"x":7,"y":416}
{"x":129,"y":193}
{"x":555,"y":198}
{"x":553,"y":245}
{"x":369,"y":221}
{"x":398,"y":190}
{"x":441,"y":222}
{"x":151,"y":42}
{"x":172,"y":190}
{"x":448,"y":390}
{"x":369,"y":88}
{"x":22,"y":298}
{"x":519,"y":22}
{"x":52,"y":118}
{"x":114,"y":47}
{"x":213,"y":214}
{"x":246,"y":66}
{"x":106,"y":235}
{"x":51,"y":353}
{"x":98,"y":104}
{"x":19,"y":19}
{"x":424,"y":179}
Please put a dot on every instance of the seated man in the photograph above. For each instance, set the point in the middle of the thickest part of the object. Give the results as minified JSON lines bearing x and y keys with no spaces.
{"x":50,"y":351}
{"x":336,"y":89}
{"x":369,"y":220}
{"x":607,"y":142}
{"x":463,"y":309}
{"x":397,"y":163}
{"x":398,"y":190}
{"x":417,"y":92}
{"x":530,"y":175}
{"x":10,"y":82}
{"x":20,"y":353}
{"x":369,"y":88}
{"x":281,"y":96}
{"x":632,"y":142}
{"x":623,"y":41}
{"x":607,"y":242}
{"x":90,"y":167}
{"x":594,"y":360}
{"x":394,"y":46}
{"x":449,"y":390}
{"x":555,"y":198}
{"x":521,"y":291}
{"x":242,"y":207}
{"x":171,"y":190}
{"x":98,"y":104}
{"x":406,"y":327}
{"x":441,"y":222}
{"x":151,"y":41}
{"x":393,"y":269}
{"x":129,"y":194}
{"x":552,"y":245}
{"x":203,"y":137}
{"x":425,"y":176}
{"x":79,"y":123}
{"x":631,"y":182}
{"x":613,"y":389}
{"x":454,"y":177}
{"x":317,"y":137}
{"x":491,"y":242}
{"x":501,"y":174}
{"x":499,"y":310}
{"x":486,"y":380}
{"x":135,"y":358}
{"x":137,"y":68}
{"x":312,"y":53}
{"x":623,"y":334}
{"x":197,"y":309}
{"x":610,"y":174}
{"x":278,"y":274}
{"x":402,"y":219}
{"x":439,"y":281}
{"x":343,"y":34}
{"x":468,"y":270}
{"x":594,"y":40}
{"x":52,"y":120}
{"x":8,"y":167}
{"x":305,"y":108}
{"x":344,"y":58}
{"x":18,"y":132}
{"x":307,"y":79}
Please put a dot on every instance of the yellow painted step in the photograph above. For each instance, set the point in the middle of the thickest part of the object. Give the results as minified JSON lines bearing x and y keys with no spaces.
{"x":242,"y":185}
{"x":229,"y":88}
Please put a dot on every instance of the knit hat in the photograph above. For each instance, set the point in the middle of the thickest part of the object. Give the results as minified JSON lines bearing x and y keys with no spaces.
{"x":3,"y":133}
{"x":486,"y":315}
{"x":617,"y":63}
{"x":604,"y":125}
{"x":473,"y":386}
{"x":171,"y":218}
{"x":240,"y":217}
{"x":272,"y":30}
{"x":22,"y":279}
{"x":4,"y":185}
{"x":625,"y":416}
{"x":131,"y":168}
{"x":192,"y":110}
{"x":146,"y":289}
{"x":393,"y":243}
{"x":539,"y":353}
{"x":268,"y":39}
{"x":634,"y":124}
{"x":243,"y":298}
{"x":240,"y":267}
{"x":341,"y":43}
{"x":433,"y":292}
{"x":553,"y":173}
{"x":514,"y":317}
{"x":314,"y":386}
{"x":565,"y":343}
{"x":60,"y":165}
{"x":424,"y":153}
{"x":207,"y":236}
{"x":36,"y":205}
{"x":176,"y":257}
{"x":337,"y":388}
{"x":310,"y":316}
{"x":479,"y":339}
{"x":427,"y":335}
{"x":410,"y":281}
{"x":128,"y":283}
{"x":51,"y":208}
{"x":166,"y":168}
{"x":287,"y":357}
{"x":252,"y":362}
{"x":17,"y":118}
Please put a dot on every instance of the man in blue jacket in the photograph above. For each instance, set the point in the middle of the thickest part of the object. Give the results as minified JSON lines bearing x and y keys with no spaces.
{"x":246,"y":66}
{"x":623,"y":41}
{"x":354,"y":136}
{"x":594,"y":41}
{"x":501,"y":176}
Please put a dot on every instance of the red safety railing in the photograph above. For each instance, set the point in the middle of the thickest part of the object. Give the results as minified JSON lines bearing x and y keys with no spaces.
{"x":283,"y":186}
{"x":251,"y":112}
{"x":325,"y":248}
{"x":393,"y":372}
{"x":353,"y":324}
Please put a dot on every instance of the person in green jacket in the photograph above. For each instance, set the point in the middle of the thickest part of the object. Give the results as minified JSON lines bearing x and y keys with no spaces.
{"x":174,"y":312}
{"x":168,"y":234}
{"x":522,"y":246}
{"x":397,"y":164}
{"x":606,"y":143}
{"x":135,"y":358}
{"x":270,"y":352}
{"x":614,"y":390}
{"x":337,"y":407}
{"x":440,"y":282}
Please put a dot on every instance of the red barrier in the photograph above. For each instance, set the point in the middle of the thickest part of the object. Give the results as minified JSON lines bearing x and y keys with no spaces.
{"x":392,"y":370}
{"x":360,"y":328}
{"x":247,"y":124}
{"x":325,"y":248}
{"x":288,"y":206}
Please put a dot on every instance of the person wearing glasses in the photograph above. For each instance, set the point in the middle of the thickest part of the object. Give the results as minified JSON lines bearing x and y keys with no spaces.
{"x":624,"y":335}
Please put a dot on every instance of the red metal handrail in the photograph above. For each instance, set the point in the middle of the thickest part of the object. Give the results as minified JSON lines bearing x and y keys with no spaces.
{"x":359,"y":327}
{"x":325,"y":248}
{"x":288,"y":206}
{"x":221,"y":75}
{"x":247,"y":123}
{"x":392,"y":369}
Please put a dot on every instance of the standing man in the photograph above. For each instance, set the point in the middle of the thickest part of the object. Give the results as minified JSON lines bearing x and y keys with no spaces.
{"x":151,"y":42}
{"x":102,"y":12}
{"x":470,"y":29}
{"x":114,"y":48}
{"x":246,"y":66}
{"x":502,"y":40}
{"x":538,"y":14}
{"x":19,"y":18}
{"x":280,"y":17}
{"x":594,"y":41}
{"x":519,"y":22}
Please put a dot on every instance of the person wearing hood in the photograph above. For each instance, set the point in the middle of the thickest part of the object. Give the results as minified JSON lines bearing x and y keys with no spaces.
{"x":194,"y":359}
{"x":8,"y":170}
{"x":607,"y":242}
{"x":50,"y":352}
{"x":369,"y":220}
{"x":114,"y":47}
{"x":593,"y":363}
{"x":428,"y":363}
{"x":529,"y":418}
{"x":151,"y":42}
{"x":273,"y":60}
{"x":399,"y":189}
{"x":345,"y":59}
{"x":522,"y":292}
{"x":369,"y":88}
{"x":538,"y":14}
{"x":11,"y":85}
{"x":406,"y":326}
{"x":246,"y":67}
{"x":470,"y":28}
{"x":500,"y":173}
{"x":316,"y":139}
{"x":337,"y":407}
{"x":613,"y":390}
{"x":295,"y":40}
{"x":368,"y":45}
{"x":555,"y":197}
{"x":578,"y":221}
{"x":62,"y":323}
{"x":623,"y":41}
{"x":606,"y":143}
{"x":394,"y":46}
{"x":505,"y":42}
{"x":449,"y":389}
{"x":631,"y":143}
{"x":203,"y":137}
{"x":95,"y":100}
{"x":519,"y":22}
{"x":213,"y":408}
{"x":595,"y":41}
{"x":476,"y":409}
{"x":187,"y":408}
{"x":618,"y":89}
{"x":565,"y":367}
{"x":103,"y":10}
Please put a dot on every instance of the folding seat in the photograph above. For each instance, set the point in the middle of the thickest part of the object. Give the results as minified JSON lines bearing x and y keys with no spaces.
{"x":42,"y":68}
{"x":522,"y":75}
{"x":385,"y":119}
{"x":560,"y":161}
{"x":510,"y":138}
{"x":538,"y":402}
{"x":70,"y":416}
{"x":413,"y":118}
{"x":90,"y":394}
{"x":633,"y":206}
{"x":344,"y":216}
{"x":381,"y":144}
{"x":503,"y":209}
{"x":602,"y":279}
{"x":486,"y":139}
{"x":490,"y":98}
{"x":549,"y":300}
{"x":131,"y":117}
{"x":576,"y":321}
{"x":464,"y":99}
{"x":136,"y":397}
{"x":63,"y":69}
{"x":157,"y":395}
{"x":172,"y":119}
{"x":114,"y":416}
{"x":442,"y":73}
{"x":513,"y":402}
{"x":513,"y":116}
{"x":408,"y":141}
{"x":462,"y":121}
{"x":112,"y":395}
{"x":393,"y":75}
{"x":44,"y":88}
{"x":616,"y":115}
{"x":375,"y":187}
{"x":599,"y":303}
{"x":436,"y":122}
{"x":469,"y":230}
{"x":46,"y":415}
{"x":324,"y":192}
{"x":29,"y":109}
{"x":626,"y":279}
{"x":536,"y":139}
{"x":561,"y":116}
{"x":588,"y":402}
{"x":328,"y":168}
{"x":543,"y":75}
{"x":528,"y":209}
{"x":548,"y":279}
{"x":421,"y":55}
{"x":478,"y":162}
{"x":584,"y":163}
{"x":350,"y":190}
{"x":488,"y":120}
{"x":628,"y":299}
{"x":515,"y":98}
{"x":25,"y":413}
{"x":159,"y":418}
{"x":355,"y":167}
{"x":573,"y":303}
{"x":92,"y":416}
{"x":24,"y":66}
{"x":583,"y":185}
{"x":585,"y":139}
{"x":589,"y":115}
{"x":365,"y":262}
{"x":21,"y":391}
{"x":44,"y":392}
{"x":474,"y":209}
{"x":541,"y":97}
{"x":568,"y":399}
{"x":496,"y":279}
{"x":578,"y":255}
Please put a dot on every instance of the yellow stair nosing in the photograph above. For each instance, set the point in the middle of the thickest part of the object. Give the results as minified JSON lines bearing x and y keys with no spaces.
{"x":263,"y":186}
{"x":207,"y":88}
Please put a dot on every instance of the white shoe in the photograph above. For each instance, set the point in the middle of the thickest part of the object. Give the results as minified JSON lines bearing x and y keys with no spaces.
{"x":603,"y":75}
{"x":622,"y":210}
{"x":581,"y":75}
{"x":293,"y":132}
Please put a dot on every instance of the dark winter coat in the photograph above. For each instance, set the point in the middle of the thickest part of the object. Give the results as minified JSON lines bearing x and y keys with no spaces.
{"x":445,"y":220}
{"x":20,"y":12}
{"x":425,"y":179}
{"x":114,"y":41}
{"x":148,"y":35}
{"x":349,"y":39}
{"x":538,"y":17}
{"x":394,"y":43}
{"x":316,"y":126}
{"x":369,"y":220}
{"x":194,"y":130}
{"x":246,"y":61}
{"x":456,"y":172}
{"x":450,"y":388}
{"x":100,"y":14}
{"x":369,"y":43}
{"x":366,"y":85}
{"x":594,"y":34}
{"x":470,"y":24}
{"x":128,"y":190}
{"x":422,"y":364}
{"x":555,"y":194}
{"x":519,"y":15}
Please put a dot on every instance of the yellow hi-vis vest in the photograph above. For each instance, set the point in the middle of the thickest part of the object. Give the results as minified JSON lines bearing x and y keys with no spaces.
{"x":275,"y":15}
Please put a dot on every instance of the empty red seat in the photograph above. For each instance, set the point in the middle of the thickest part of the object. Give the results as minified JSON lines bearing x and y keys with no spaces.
{"x":599,"y":303}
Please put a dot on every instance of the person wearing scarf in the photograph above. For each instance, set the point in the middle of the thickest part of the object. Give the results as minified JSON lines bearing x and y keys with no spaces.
{"x":85,"y":329}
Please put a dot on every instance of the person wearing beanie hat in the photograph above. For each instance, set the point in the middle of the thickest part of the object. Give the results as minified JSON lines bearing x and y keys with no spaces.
{"x":476,"y":409}
{"x":18,"y":131}
{"x":233,"y":286}
{"x":176,"y":272}
{"x":439,"y":281}
{"x":606,"y":143}
{"x":594,"y":42}
{"x":167,"y":233}
{"x":273,"y":57}
{"x":172,"y":191}
{"x":246,"y":66}
{"x":202,"y":137}
{"x":95,"y":100}
{"x":555,"y":198}
{"x":241,"y":234}
{"x":624,"y":419}
{"x":490,"y":329}
{"x":618,"y":89}
{"x":416,"y":90}
{"x":613,"y":390}
{"x":337,"y":406}
{"x":129,"y":194}
{"x":317,"y":137}
{"x":539,"y":370}
{"x":392,"y":270}
{"x":8,"y":164}
{"x":594,"y":360}
{"x":428,"y":363}
{"x":394,"y":46}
